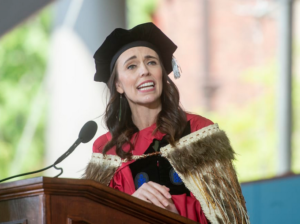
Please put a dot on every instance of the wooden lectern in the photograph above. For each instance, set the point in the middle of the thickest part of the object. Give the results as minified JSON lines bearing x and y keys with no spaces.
{"x":44,"y":200}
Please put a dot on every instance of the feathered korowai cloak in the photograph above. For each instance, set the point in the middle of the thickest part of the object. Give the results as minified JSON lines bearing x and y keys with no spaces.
{"x":203,"y":160}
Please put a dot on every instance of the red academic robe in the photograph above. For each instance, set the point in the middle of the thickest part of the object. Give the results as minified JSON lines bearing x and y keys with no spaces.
{"x":187,"y":206}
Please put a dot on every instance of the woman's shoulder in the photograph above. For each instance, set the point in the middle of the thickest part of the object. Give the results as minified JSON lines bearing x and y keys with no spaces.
{"x":197,"y":122}
{"x":100,"y":142}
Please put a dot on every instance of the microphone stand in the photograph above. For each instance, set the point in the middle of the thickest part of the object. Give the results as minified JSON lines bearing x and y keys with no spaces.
{"x":60,"y":159}
{"x":23,"y":174}
{"x":86,"y":133}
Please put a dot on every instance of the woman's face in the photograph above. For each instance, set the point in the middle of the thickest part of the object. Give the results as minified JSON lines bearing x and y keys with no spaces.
{"x":140,"y":76}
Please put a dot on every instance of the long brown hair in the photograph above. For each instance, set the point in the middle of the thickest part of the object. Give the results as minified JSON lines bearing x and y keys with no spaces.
{"x":171,"y":120}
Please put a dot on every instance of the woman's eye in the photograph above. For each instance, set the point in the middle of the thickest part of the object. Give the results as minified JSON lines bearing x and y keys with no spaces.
{"x":131,"y":67}
{"x":152,"y":63}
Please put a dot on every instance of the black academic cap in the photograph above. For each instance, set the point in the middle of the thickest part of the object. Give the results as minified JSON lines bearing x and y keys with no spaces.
{"x":120,"y":40}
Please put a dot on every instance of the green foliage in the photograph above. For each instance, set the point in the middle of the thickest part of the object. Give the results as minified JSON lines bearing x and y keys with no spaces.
{"x":23,"y":53}
{"x":252,"y":130}
{"x":140,"y":11}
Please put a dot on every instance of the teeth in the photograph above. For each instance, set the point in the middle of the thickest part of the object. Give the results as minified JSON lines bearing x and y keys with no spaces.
{"x":146,"y":88}
{"x":146,"y":84}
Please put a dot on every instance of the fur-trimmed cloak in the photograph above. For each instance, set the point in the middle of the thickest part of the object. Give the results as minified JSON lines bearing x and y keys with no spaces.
{"x":203,"y":160}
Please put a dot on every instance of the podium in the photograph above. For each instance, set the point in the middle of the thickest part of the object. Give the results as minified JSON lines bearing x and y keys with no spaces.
{"x":45,"y":200}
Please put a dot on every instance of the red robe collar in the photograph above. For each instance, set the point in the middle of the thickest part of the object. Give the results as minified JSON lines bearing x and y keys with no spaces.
{"x":141,"y":140}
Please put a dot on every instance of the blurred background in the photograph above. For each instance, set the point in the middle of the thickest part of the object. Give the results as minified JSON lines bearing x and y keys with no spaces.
{"x":240,"y":61}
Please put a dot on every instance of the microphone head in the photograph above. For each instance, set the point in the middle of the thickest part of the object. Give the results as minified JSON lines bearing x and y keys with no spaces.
{"x":88,"y":131}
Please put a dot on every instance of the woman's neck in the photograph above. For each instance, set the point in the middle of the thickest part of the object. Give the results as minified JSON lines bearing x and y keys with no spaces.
{"x":144,"y":116}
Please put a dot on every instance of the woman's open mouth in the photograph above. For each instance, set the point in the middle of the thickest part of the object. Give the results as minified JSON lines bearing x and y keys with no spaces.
{"x":146,"y":86}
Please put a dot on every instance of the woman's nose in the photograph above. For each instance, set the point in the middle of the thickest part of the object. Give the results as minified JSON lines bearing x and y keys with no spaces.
{"x":144,"y":70}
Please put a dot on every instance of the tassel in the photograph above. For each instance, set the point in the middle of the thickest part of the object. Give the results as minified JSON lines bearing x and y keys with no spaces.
{"x":176,"y":68}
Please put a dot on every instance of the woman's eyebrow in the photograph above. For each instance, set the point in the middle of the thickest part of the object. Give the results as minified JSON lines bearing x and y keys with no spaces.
{"x":132,"y":57}
{"x":149,"y":56}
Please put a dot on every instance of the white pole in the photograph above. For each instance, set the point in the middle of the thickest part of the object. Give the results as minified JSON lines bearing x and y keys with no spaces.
{"x":285,"y":87}
{"x":74,"y":98}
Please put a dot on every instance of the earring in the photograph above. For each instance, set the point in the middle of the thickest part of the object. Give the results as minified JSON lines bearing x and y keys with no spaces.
{"x":120,"y":109}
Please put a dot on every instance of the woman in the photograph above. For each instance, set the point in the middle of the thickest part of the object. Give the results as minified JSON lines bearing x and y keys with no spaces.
{"x":154,"y":150}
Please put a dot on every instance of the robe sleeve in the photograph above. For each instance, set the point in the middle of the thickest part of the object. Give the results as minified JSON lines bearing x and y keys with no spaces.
{"x":123,"y":181}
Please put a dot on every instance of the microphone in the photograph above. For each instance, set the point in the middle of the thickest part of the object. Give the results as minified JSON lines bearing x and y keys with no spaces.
{"x":86,"y":134}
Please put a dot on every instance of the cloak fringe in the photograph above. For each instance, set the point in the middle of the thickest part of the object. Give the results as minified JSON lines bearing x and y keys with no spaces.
{"x":102,"y":168}
{"x":203,"y":160}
